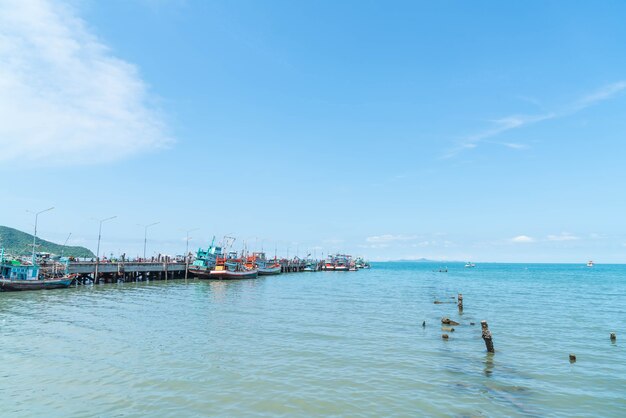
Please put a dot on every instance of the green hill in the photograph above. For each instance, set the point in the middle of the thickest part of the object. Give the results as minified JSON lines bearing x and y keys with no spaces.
{"x":20,"y":243}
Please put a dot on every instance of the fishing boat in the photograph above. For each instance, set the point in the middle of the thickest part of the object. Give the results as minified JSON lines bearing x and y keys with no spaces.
{"x":263,"y":265}
{"x":205,"y":260}
{"x":329,"y":264}
{"x":342,"y":262}
{"x":359,"y":263}
{"x":310,"y":266}
{"x":469,"y":264}
{"x":232,"y":267}
{"x":590,"y":263}
{"x":18,"y":275}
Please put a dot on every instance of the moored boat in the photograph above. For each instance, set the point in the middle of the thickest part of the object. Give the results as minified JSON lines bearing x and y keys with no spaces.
{"x":16,"y":275}
{"x":205,"y":261}
{"x":342,"y":262}
{"x":232,"y":268}
{"x":590,"y":263}
{"x":263,"y":265}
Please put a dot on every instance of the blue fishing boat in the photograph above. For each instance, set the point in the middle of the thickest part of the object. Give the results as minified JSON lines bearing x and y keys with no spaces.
{"x":232,"y":267}
{"x":263,"y":265}
{"x":206,"y":260}
{"x":18,"y":275}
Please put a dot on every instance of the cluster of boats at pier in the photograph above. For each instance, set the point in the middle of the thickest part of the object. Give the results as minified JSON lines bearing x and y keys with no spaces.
{"x":216,"y":263}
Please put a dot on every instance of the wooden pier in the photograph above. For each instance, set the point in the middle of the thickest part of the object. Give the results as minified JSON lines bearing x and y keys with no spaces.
{"x":133,"y":271}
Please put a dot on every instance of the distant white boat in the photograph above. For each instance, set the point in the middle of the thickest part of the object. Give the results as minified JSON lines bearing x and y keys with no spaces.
{"x":469,"y":265}
{"x":589,"y":263}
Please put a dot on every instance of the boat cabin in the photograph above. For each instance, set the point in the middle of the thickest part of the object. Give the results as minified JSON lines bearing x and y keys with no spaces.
{"x":14,"y":270}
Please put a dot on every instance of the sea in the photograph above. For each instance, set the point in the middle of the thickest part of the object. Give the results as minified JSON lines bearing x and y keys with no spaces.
{"x":324,"y":344}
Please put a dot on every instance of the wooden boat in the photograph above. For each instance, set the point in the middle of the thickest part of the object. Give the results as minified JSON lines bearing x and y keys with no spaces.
{"x":270,"y":270}
{"x":232,"y":268}
{"x":310,"y":266}
{"x":17,"y":275}
{"x":264,"y":266}
{"x":205,"y":261}
{"x":342,"y":262}
{"x":36,"y":284}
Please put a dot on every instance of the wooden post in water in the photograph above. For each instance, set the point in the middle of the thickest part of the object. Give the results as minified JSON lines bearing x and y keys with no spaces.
{"x":487,"y":336}
{"x":460,"y":299}
{"x":613,"y":337}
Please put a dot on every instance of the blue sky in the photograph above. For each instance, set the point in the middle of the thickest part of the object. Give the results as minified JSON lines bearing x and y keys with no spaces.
{"x":490,"y":131}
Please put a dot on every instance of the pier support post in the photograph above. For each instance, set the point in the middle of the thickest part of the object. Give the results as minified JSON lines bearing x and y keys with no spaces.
{"x":460,"y":299}
{"x":487,"y":336}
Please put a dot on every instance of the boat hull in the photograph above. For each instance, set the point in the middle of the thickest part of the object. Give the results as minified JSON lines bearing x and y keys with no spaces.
{"x":200,"y":273}
{"x":269,"y":271}
{"x":233,"y":275}
{"x":16,"y":285}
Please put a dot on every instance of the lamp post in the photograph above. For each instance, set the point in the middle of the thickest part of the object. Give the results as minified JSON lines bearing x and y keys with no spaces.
{"x":95,"y":279}
{"x":187,"y":253}
{"x":145,"y":238}
{"x":35,"y":235}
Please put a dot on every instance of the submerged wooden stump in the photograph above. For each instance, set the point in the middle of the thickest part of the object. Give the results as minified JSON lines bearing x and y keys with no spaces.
{"x":613,"y":336}
{"x":447,"y":321}
{"x":487,"y":336}
{"x":572,"y":358}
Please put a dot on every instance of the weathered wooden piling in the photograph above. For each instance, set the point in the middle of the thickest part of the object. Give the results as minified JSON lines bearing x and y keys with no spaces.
{"x":444,"y":336}
{"x":487,"y":336}
{"x":613,"y":337}
{"x":572,"y":358}
{"x":423,"y":324}
{"x":447,"y":321}
{"x":460,"y":299}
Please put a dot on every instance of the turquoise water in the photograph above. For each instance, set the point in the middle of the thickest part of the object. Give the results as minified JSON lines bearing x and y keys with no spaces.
{"x":322,"y":344}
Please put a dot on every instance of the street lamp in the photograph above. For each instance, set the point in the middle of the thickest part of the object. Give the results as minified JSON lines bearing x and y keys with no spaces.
{"x":187,"y":253}
{"x":35,"y":235}
{"x":145,"y":238}
{"x":95,"y":279}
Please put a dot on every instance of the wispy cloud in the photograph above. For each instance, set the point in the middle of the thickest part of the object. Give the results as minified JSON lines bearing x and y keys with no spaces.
{"x":599,"y":95}
{"x":513,"y":122}
{"x":564,"y":236}
{"x":387,"y":238}
{"x":522,"y":239}
{"x":64,"y":96}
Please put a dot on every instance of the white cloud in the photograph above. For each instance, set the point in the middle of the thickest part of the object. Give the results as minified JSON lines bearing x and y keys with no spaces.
{"x":508,"y":123}
{"x":64,"y":97}
{"x":522,"y":239}
{"x":565,"y":236}
{"x":599,"y":95}
{"x":389,"y":238}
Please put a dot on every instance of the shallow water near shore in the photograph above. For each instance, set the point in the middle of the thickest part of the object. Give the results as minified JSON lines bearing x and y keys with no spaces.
{"x":323,"y":344}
